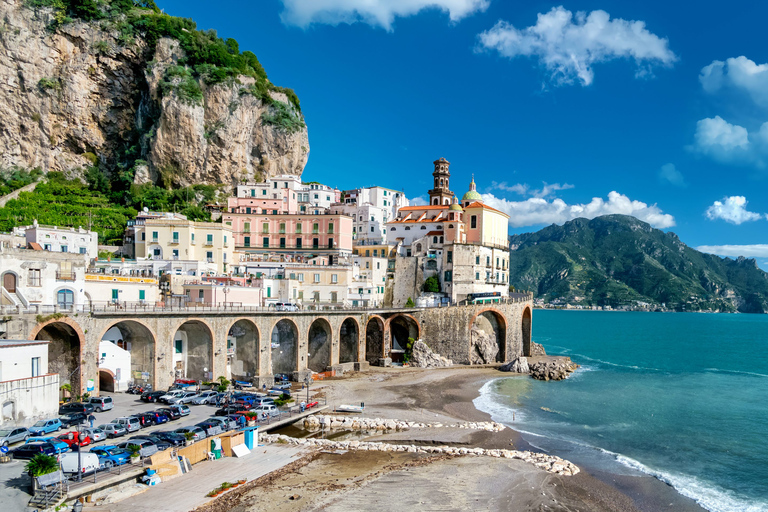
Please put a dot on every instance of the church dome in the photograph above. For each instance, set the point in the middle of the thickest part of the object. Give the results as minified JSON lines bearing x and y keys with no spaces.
{"x":455,"y":206}
{"x":472,"y":195}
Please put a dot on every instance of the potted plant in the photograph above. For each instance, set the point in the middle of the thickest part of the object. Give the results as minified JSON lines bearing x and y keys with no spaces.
{"x":40,"y":465}
{"x":251,"y":418}
{"x":190,"y":436}
{"x":134,"y":450}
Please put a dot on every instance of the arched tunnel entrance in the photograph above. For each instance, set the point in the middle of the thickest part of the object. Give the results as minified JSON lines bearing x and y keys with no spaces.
{"x":193,"y":351}
{"x":488,"y":338}
{"x":285,"y":347}
{"x":243,"y":350}
{"x":64,"y":355}
{"x":527,"y":332}
{"x":348,"y":341}
{"x":319,"y":345}
{"x":374,"y":340}
{"x":401,"y":328}
{"x":106,"y":381}
{"x":127,"y":350}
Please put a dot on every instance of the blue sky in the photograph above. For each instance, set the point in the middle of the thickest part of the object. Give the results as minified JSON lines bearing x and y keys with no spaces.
{"x":560,"y":110}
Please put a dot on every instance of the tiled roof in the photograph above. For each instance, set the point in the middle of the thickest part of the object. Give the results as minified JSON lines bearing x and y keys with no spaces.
{"x":425,"y":207}
{"x":478,"y":204}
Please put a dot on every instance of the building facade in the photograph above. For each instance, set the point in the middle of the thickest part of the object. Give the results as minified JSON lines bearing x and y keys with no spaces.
{"x":28,"y":392}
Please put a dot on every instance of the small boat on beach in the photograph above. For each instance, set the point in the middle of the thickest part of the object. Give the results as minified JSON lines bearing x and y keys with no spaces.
{"x":349,"y":408}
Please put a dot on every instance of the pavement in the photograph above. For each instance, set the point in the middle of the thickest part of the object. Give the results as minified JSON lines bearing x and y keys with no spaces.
{"x":188,"y":491}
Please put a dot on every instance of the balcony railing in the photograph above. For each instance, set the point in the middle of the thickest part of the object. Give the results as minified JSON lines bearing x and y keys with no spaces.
{"x":65,"y":276}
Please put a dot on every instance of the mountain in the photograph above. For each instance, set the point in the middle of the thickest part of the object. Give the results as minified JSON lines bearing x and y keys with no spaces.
{"x":617,"y":260}
{"x":145,"y":97}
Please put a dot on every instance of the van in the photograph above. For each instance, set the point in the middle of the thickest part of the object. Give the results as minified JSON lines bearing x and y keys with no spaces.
{"x":130,"y":423}
{"x":286,"y":306}
{"x":89,"y":462}
{"x":101,"y":403}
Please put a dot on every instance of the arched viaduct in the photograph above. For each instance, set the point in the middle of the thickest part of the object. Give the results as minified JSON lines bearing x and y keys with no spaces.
{"x":167,"y":344}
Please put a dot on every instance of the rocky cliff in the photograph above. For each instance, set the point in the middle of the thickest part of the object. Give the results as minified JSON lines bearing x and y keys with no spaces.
{"x":75,"y":93}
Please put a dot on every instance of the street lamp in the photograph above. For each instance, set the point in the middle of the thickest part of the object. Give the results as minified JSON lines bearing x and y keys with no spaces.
{"x":226,"y":291}
{"x":308,"y":381}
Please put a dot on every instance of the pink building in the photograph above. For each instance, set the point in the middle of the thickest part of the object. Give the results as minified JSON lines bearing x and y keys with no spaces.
{"x":275,"y":202}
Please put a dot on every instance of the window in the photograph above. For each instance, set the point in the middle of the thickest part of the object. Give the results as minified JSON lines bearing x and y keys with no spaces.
{"x":298,"y":227}
{"x":193,"y":239}
{"x":179,"y":343}
{"x":434,"y":239}
{"x":253,"y":192}
{"x":47,"y":247}
{"x":265,"y":228}
{"x":330,"y":243}
{"x":298,"y":243}
{"x":264,"y":192}
{"x":407,"y":228}
{"x":330,"y":228}
{"x":423,"y":227}
{"x":367,"y":252}
{"x":301,"y":277}
{"x":246,"y":227}
{"x":209,"y":239}
{"x":247,"y":241}
{"x":487,"y":261}
{"x":316,"y":196}
{"x":142,"y":294}
{"x":315,"y":243}
{"x":175,"y":237}
{"x":378,"y":265}
{"x":334,"y":278}
{"x":371,"y":229}
{"x":477,"y":276}
{"x":473,"y":221}
{"x":34,"y":277}
{"x":497,"y":262}
{"x":334,"y":297}
{"x":35,"y":367}
{"x":282,"y":243}
{"x":175,"y":254}
{"x":317,"y":278}
{"x":477,"y":260}
{"x":408,"y":253}
{"x":64,"y":248}
{"x":265,"y":242}
{"x":274,"y":185}
{"x":65,"y":298}
{"x":154,"y":236}
{"x":144,"y":236}
{"x":115,"y":295}
{"x":448,"y":276}
{"x":449,"y":257}
{"x":209,"y":256}
{"x":315,"y":228}
{"x":282,"y":228}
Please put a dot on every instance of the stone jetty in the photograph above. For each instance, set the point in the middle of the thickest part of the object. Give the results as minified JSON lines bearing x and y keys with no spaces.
{"x":320,"y":421}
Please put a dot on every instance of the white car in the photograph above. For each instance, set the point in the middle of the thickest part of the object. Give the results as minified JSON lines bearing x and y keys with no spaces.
{"x":171,"y":395}
{"x":266,"y":409}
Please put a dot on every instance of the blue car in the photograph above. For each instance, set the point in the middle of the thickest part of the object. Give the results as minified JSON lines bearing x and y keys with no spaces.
{"x":58,"y":445}
{"x":45,"y":427}
{"x":111,"y":455}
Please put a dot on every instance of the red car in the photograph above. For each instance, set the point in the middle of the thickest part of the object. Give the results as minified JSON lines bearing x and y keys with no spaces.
{"x":74,"y":438}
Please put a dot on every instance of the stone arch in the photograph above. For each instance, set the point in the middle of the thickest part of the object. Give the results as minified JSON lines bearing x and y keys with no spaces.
{"x":244,"y":335}
{"x":285,"y":346}
{"x":488,"y":337}
{"x":319,"y":341}
{"x":65,"y":350}
{"x":106,"y":380}
{"x":349,"y":341}
{"x":526,"y":331}
{"x":192,"y":350}
{"x":374,"y":339}
{"x":401,"y":327}
{"x":140,"y":341}
{"x":435,"y":201}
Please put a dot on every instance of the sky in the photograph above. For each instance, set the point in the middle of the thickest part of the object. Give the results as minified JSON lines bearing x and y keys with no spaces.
{"x":559,"y":110}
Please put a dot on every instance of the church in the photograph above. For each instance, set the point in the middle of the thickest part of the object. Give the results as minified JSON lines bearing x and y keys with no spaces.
{"x":464,"y":243}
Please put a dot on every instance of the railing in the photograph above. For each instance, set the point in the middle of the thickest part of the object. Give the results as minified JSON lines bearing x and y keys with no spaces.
{"x":65,"y":276}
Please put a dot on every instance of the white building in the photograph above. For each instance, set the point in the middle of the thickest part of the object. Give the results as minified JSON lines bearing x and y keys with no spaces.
{"x":58,"y":239}
{"x":103,"y":288}
{"x":114,"y":363}
{"x":27,"y":391}
{"x":372,"y":208}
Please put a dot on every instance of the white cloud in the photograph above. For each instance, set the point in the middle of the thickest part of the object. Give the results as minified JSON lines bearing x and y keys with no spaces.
{"x":524,"y":189}
{"x":568,"y":46}
{"x":418,"y":201}
{"x":748,"y":251}
{"x":740,"y":74}
{"x":537,"y":210}
{"x":669,"y":173}
{"x":380,"y":13}
{"x":733,"y":210}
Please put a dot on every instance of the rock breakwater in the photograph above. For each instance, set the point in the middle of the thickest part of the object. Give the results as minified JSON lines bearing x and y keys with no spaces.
{"x":548,"y":463}
{"x":318,"y":421}
{"x":557,"y":369}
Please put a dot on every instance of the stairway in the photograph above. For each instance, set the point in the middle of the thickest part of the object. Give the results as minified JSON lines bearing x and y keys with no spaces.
{"x":10,"y":296}
{"x":45,"y":498}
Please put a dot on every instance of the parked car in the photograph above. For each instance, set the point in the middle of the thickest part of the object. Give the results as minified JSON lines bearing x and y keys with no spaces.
{"x":146,"y":447}
{"x":266,"y":409}
{"x":286,"y":306}
{"x":282,"y":385}
{"x":161,"y":443}
{"x":184,"y":398}
{"x":206,"y":397}
{"x":113,"y":430}
{"x":157,"y":417}
{"x":87,"y":462}
{"x":197,"y":431}
{"x":75,"y":439}
{"x":207,"y":425}
{"x":74,"y":419}
{"x":29,"y":450}
{"x":13,"y":435}
{"x":71,"y":407}
{"x":229,"y":409}
{"x":45,"y":427}
{"x":183,"y":409}
{"x":58,"y":445}
{"x":172,"y":437}
{"x":152,"y":396}
{"x":145,"y":420}
{"x":172,"y":414}
{"x":224,"y":422}
{"x":101,"y":403}
{"x":111,"y":455}
{"x":171,"y":395}
{"x":242,"y":405}
{"x":130,"y":423}
{"x":96,"y":434}
{"x":262,"y":400}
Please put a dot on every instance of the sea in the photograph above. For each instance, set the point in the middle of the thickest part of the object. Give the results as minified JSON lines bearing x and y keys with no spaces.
{"x":679,"y":396}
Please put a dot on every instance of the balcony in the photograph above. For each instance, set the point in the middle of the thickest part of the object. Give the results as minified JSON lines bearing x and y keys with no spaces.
{"x":209,"y":260}
{"x":65,"y":276}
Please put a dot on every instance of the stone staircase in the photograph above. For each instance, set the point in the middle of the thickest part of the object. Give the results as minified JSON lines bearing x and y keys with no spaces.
{"x":45,"y":498}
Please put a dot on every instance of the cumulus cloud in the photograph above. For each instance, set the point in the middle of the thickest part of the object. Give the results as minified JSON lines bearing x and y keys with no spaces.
{"x":537,"y":210}
{"x":669,"y":174}
{"x":379,"y":13}
{"x":732,"y":210}
{"x":418,"y":201}
{"x":748,"y":251}
{"x":739,"y":74}
{"x":568,"y":45}
{"x":524,"y":189}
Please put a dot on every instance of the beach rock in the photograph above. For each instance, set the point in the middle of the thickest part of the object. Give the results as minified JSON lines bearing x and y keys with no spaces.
{"x":484,"y":346}
{"x":537,"y":349}
{"x":519,"y":365}
{"x":556,"y":369}
{"x":424,"y":357}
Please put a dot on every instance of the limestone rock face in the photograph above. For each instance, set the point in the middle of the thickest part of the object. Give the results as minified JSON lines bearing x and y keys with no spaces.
{"x":485,"y":348}
{"x":77,"y":90}
{"x":537,"y":349}
{"x":556,"y":369}
{"x":519,"y":365}
{"x":423,"y":357}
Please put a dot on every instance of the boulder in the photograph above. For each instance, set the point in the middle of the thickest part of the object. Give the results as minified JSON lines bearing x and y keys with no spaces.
{"x":485,"y":347}
{"x":424,"y":357}
{"x":555,"y":369}
{"x":519,"y":365}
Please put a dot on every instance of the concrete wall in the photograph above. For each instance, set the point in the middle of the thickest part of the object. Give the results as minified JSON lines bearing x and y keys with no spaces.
{"x":16,"y":361}
{"x":25,"y":401}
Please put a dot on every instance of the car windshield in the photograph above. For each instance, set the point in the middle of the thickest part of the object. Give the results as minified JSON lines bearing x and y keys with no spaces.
{"x":40,"y":424}
{"x":5,"y":433}
{"x":105,"y":427}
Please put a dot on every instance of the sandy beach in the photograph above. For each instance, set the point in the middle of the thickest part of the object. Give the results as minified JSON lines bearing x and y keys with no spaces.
{"x":379,"y":481}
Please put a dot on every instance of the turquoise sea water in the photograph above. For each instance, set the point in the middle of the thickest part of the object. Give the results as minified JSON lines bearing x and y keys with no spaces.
{"x":681,"y":396}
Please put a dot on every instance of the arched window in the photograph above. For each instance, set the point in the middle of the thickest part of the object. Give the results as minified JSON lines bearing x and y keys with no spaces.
{"x":434,"y":239}
{"x":441,"y":183}
{"x":65,"y":298}
{"x":447,"y":201}
{"x":435,"y":201}
{"x":418,"y":247}
{"x":423,"y":227}
{"x":441,"y":239}
{"x":450,"y":226}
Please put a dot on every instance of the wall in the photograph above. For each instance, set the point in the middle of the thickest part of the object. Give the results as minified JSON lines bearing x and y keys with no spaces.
{"x":405,"y":286}
{"x":99,"y":288}
{"x":34,"y":399}
{"x":16,"y":360}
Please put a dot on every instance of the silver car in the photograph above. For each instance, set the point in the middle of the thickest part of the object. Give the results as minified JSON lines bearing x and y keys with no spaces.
{"x":113,"y":429}
{"x":198,"y":433}
{"x":96,"y":434}
{"x":206,"y":397}
{"x":13,"y":435}
{"x":184,"y":398}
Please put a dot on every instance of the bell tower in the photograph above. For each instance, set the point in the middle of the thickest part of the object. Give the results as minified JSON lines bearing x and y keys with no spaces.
{"x":441,"y":193}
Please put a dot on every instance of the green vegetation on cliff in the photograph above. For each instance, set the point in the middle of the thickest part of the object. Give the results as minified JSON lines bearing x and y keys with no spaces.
{"x":617,"y":260}
{"x":15,"y":178}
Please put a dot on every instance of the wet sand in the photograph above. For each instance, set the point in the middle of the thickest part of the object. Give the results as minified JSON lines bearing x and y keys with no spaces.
{"x":379,"y":481}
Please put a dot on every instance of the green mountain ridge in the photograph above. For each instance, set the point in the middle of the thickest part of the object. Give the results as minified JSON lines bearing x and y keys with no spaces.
{"x":618,"y":260}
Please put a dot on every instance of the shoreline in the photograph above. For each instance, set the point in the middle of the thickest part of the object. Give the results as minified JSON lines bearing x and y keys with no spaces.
{"x":441,"y":395}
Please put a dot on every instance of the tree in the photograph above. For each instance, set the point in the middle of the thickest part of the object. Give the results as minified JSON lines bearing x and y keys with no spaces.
{"x":432,"y":285}
{"x":41,"y":464}
{"x":409,"y":303}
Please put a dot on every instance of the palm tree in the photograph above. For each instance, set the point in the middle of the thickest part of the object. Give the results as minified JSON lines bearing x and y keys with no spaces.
{"x":41,"y":464}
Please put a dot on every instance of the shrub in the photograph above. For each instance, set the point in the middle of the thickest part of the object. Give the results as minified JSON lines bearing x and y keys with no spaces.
{"x":432,"y":285}
{"x":283,"y":116}
{"x":49,"y":84}
{"x":102,"y":47}
{"x":40,"y":465}
{"x":409,"y":303}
